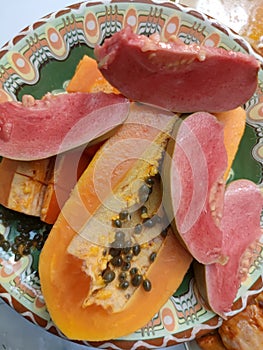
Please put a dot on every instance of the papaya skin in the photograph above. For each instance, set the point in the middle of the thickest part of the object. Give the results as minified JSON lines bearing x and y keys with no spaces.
{"x":64,"y":283}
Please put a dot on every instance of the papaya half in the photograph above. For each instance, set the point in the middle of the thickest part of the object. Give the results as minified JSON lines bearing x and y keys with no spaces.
{"x":116,"y":261}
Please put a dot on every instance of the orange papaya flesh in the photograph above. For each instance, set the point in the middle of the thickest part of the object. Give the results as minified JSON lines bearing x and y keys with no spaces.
{"x":23,"y":184}
{"x":65,"y":285}
{"x":88,"y":78}
{"x":234,"y":126}
{"x":7,"y":170}
{"x":95,"y":249}
{"x":41,"y":187}
{"x":68,"y":167}
{"x":142,"y":126}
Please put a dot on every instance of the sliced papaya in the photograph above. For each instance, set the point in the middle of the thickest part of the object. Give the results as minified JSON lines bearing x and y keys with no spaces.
{"x":36,"y":129}
{"x":23,"y":184}
{"x":67,"y":169}
{"x":41,"y":187}
{"x":103,"y":268}
{"x":88,"y":78}
{"x":234,"y":122}
{"x":175,"y":76}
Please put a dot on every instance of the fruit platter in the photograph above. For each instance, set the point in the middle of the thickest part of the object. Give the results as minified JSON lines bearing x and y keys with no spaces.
{"x":130,"y":173}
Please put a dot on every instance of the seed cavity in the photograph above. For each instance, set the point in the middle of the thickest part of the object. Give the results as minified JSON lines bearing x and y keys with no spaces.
{"x":123,"y":250}
{"x":27,"y":234}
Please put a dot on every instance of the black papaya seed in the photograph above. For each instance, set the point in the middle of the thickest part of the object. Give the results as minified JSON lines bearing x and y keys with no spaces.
{"x":124,"y":284}
{"x":136,"y":249}
{"x":117,"y":223}
{"x":122,"y":276}
{"x":116,"y":261}
{"x":108,"y":275}
{"x":138,"y":229}
{"x":152,"y":257}
{"x":147,"y":286}
{"x":124,"y":214}
{"x":136,"y":280}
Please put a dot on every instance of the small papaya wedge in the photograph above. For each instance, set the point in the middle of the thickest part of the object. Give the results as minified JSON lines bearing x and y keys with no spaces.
{"x":24,"y":183}
{"x":234,"y":122}
{"x":33,"y":187}
{"x":88,"y":78}
{"x":110,"y":251}
{"x":67,"y":169}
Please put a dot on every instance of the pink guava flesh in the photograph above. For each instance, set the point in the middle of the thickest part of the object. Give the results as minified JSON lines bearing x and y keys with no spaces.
{"x":175,"y":76}
{"x":198,"y":164}
{"x":240,"y":225}
{"x":55,"y":124}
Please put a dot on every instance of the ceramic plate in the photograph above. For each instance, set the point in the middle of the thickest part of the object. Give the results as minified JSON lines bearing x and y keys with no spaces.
{"x":42,"y":58}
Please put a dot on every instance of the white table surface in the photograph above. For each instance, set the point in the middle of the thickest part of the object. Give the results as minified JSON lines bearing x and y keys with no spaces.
{"x":16,"y":333}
